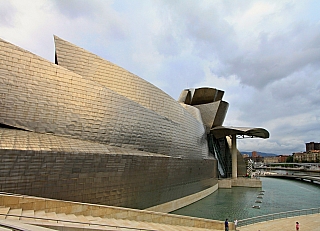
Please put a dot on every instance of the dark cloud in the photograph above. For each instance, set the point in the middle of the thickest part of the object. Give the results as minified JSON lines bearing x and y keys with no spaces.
{"x":278,"y":57}
{"x":279,"y":53}
{"x":298,"y":93}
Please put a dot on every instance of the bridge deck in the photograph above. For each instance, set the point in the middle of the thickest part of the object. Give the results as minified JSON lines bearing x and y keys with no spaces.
{"x":300,"y":176}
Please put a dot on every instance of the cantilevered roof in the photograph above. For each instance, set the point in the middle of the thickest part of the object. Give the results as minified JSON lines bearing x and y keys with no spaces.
{"x":221,"y":131}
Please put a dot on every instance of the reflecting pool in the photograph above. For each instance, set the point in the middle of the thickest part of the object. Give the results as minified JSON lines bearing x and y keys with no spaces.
{"x":280,"y":195}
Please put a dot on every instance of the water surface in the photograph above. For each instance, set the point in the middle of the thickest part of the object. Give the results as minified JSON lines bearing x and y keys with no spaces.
{"x":280,"y":195}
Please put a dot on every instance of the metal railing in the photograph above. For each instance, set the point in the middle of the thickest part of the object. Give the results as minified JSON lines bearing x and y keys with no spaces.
{"x":269,"y":217}
{"x":67,"y":221}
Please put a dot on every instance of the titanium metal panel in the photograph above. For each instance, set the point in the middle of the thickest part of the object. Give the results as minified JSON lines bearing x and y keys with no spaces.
{"x":185,"y":97}
{"x":195,"y":112}
{"x":117,"y":79}
{"x":213,"y":114}
{"x":70,"y":169}
{"x":39,"y":96}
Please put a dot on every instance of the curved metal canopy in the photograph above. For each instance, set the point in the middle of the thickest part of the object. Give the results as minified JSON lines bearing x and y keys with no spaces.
{"x":221,"y":131}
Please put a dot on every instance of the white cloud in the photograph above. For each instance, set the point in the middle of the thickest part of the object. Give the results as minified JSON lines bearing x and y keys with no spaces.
{"x":263,"y":54}
{"x":7,"y":14}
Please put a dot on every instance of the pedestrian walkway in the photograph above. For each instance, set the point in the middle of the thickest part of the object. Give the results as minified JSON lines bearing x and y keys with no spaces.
{"x":67,"y":215}
{"x":307,"y":222}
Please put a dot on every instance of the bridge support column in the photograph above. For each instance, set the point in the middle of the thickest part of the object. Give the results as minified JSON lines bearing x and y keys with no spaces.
{"x":234,"y":156}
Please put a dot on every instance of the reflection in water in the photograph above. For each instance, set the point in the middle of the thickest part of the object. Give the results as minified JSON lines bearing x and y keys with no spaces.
{"x":280,"y":195}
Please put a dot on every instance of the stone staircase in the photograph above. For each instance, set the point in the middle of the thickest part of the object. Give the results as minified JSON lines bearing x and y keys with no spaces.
{"x":63,"y":221}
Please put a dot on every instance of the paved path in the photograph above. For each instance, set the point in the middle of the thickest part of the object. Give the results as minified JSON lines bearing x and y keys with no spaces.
{"x":307,"y":222}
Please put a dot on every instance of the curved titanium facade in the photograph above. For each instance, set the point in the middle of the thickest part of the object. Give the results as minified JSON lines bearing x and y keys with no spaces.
{"x":48,"y":98}
{"x":209,"y":102}
{"x":117,"y":79}
{"x":70,"y":169}
{"x":71,"y":135}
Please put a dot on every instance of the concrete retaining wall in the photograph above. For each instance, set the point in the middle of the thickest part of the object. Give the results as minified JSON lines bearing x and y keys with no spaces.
{"x":182,"y":202}
{"x":240,"y":182}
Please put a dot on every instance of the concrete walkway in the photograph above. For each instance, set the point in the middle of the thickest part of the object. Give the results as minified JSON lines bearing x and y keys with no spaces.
{"x":307,"y":222}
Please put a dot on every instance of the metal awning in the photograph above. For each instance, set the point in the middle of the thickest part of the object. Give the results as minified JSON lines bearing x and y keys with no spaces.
{"x":222,"y":131}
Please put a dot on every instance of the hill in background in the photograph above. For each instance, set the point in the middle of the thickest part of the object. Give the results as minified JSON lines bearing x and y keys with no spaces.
{"x":263,"y":154}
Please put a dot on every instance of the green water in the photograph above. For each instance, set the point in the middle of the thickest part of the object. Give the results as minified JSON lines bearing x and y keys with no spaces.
{"x":280,"y":195}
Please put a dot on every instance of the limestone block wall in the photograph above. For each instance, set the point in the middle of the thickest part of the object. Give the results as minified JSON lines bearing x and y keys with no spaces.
{"x":49,"y":205}
{"x":60,"y":168}
{"x":40,"y":96}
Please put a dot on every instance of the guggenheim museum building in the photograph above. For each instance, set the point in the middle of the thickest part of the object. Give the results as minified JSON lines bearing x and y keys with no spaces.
{"x":84,"y":129}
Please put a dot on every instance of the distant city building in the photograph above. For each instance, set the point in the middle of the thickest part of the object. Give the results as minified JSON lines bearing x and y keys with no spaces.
{"x":298,"y":156}
{"x":282,"y":158}
{"x":312,"y":146}
{"x":271,"y":159}
{"x":312,"y":153}
{"x":311,"y":156}
{"x":255,"y":157}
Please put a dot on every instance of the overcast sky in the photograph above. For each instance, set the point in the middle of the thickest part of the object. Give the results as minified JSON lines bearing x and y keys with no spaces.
{"x":265,"y":55}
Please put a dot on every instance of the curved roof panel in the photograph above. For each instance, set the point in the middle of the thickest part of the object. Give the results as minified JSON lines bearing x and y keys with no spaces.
{"x":221,"y":131}
{"x":43,"y":97}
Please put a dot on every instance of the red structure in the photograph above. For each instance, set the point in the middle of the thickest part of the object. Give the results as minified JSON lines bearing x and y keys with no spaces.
{"x":254,"y":154}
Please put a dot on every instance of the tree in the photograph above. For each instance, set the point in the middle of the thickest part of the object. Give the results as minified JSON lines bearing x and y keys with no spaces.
{"x":289,"y":159}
